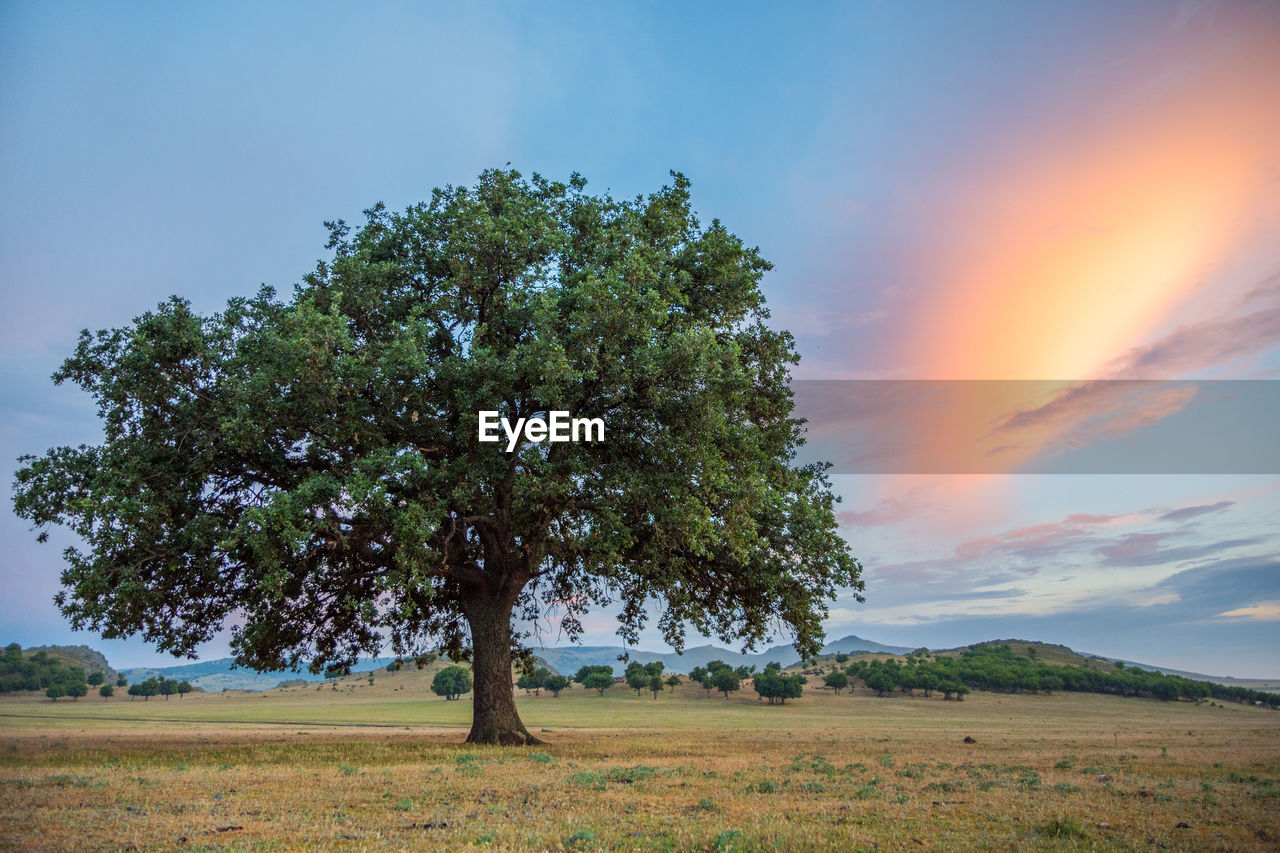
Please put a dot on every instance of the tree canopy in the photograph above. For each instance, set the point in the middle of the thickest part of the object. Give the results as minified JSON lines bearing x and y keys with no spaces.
{"x":304,"y":472}
{"x":451,"y":682}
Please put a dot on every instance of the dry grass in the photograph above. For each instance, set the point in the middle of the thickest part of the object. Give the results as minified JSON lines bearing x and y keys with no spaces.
{"x":622,"y":773}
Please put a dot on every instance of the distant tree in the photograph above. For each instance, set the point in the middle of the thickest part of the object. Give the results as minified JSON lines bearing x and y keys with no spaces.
{"x":531,"y":682}
{"x":95,"y":678}
{"x":184,"y":687}
{"x":745,"y":672}
{"x":55,"y":692}
{"x":699,"y":675}
{"x":656,"y":667}
{"x":451,"y":682}
{"x":121,"y":681}
{"x":837,"y":681}
{"x":584,"y":671}
{"x":637,"y":677}
{"x":106,"y":691}
{"x":555,"y":684}
{"x":673,"y":681}
{"x":776,"y":686}
{"x":168,"y":687}
{"x":598,"y":681}
{"x":395,"y":666}
{"x":881,"y":681}
{"x":727,"y":681}
{"x":76,"y":689}
{"x":842,"y":658}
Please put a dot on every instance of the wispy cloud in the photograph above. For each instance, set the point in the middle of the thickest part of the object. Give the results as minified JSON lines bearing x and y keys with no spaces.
{"x":1188,"y":512}
{"x":1143,"y":549}
{"x":1260,"y":611}
{"x":1253,"y":327}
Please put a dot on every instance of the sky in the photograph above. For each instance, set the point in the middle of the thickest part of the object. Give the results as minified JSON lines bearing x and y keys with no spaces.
{"x":1075,"y":193}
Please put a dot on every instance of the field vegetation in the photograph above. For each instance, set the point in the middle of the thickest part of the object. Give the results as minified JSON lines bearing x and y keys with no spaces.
{"x":373,"y":763}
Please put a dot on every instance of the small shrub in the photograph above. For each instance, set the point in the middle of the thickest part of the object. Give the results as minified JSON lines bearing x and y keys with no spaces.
{"x":706,"y":805}
{"x":727,"y":840}
{"x":1066,"y":788}
{"x":589,"y":779}
{"x":582,"y":836}
{"x":1064,"y":827}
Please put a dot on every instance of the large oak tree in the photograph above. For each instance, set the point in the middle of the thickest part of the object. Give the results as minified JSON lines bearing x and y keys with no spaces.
{"x":305,"y":472}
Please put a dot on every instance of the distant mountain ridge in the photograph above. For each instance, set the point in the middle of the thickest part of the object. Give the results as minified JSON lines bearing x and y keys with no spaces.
{"x":569,"y":659}
{"x":221,"y":674}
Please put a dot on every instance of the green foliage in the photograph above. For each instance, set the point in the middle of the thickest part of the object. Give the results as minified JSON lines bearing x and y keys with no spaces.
{"x":673,"y":681}
{"x":556,"y":683}
{"x":727,"y":681}
{"x":38,"y":672}
{"x":636,"y":677}
{"x":582,"y":836}
{"x":95,"y":678}
{"x":598,"y":681}
{"x":55,"y":691}
{"x":599,"y":678}
{"x":451,"y":682}
{"x":995,"y":666}
{"x":655,"y":685}
{"x":837,"y":681}
{"x":1063,"y":827}
{"x":773,"y":685}
{"x":533,"y":682}
{"x":106,"y":691}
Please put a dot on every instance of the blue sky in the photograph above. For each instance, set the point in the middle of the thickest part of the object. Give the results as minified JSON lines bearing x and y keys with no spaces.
{"x":1066,"y":191}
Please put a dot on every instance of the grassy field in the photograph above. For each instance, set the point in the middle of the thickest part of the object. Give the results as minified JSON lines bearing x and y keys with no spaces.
{"x":381,"y":767}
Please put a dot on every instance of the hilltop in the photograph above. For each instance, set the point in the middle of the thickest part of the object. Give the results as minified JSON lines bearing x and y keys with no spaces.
{"x":84,"y":657}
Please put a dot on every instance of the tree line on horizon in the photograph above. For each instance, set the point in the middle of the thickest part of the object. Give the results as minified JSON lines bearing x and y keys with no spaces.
{"x":997,"y":667}
{"x":160,"y":686}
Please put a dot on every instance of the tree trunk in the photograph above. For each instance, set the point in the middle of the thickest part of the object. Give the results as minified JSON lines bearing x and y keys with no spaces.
{"x":494,"y":716}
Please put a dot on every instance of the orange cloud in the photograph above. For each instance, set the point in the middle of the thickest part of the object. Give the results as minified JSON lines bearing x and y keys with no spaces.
{"x":1081,"y":235}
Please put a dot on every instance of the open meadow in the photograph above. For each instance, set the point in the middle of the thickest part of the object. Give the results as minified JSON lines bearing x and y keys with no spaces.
{"x":382,"y":766}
